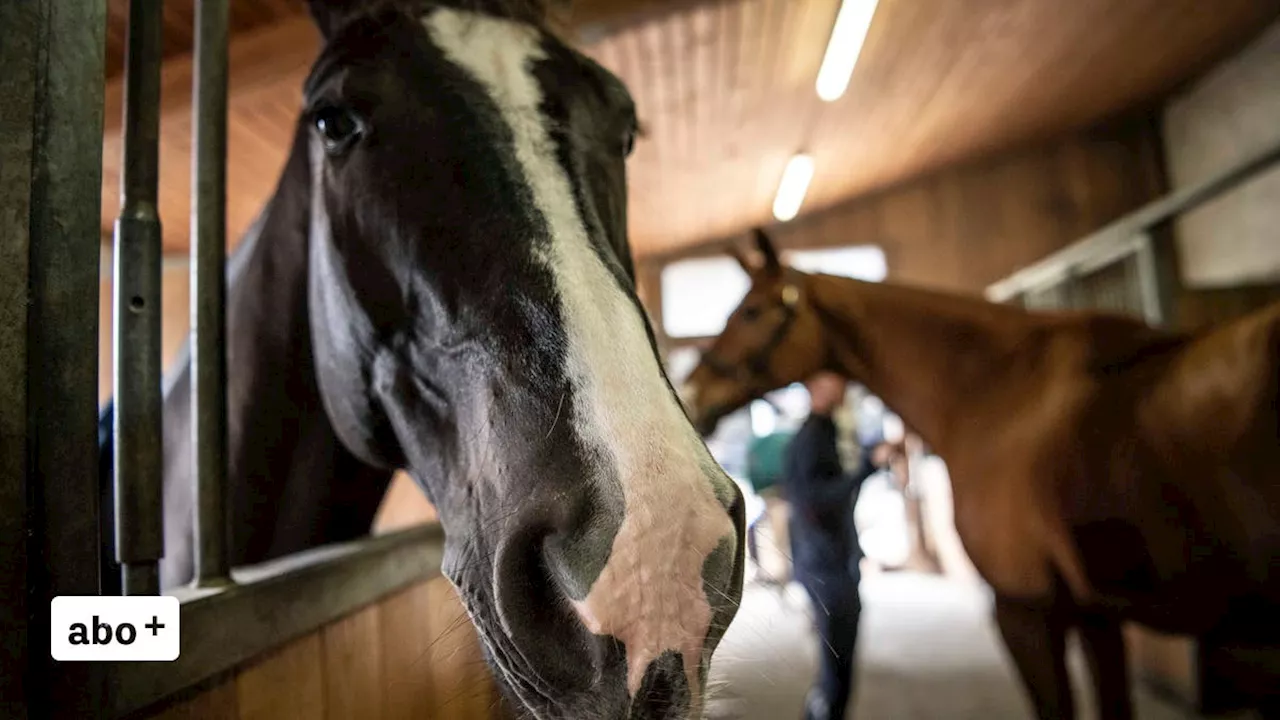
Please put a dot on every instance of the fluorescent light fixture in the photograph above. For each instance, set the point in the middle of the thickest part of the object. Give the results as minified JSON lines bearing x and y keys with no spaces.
{"x":792,"y":188}
{"x":847,"y":36}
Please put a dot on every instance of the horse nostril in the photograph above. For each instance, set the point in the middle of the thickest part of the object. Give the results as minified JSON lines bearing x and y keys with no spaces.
{"x":658,"y":706}
{"x":664,"y":692}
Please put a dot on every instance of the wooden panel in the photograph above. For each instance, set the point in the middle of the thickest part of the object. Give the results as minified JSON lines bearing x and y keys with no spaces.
{"x":459,"y":680}
{"x":1195,"y":309}
{"x":219,"y":702}
{"x":287,"y":685}
{"x":353,"y":666}
{"x":405,"y":631}
{"x":968,"y":226}
{"x":414,"y":655}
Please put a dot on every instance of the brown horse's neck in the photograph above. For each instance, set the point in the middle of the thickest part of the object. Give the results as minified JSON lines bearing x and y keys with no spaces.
{"x":923,"y":353}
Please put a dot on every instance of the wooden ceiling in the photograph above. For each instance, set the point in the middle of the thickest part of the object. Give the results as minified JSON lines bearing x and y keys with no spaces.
{"x":726,"y":91}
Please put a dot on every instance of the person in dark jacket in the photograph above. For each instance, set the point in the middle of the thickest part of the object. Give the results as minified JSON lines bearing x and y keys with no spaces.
{"x":824,"y":544}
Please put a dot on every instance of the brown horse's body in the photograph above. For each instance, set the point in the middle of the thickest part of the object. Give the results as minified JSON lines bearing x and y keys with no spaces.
{"x":1102,"y":471}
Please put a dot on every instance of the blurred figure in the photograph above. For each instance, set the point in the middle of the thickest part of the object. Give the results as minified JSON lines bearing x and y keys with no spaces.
{"x":766,"y":470}
{"x":824,"y":544}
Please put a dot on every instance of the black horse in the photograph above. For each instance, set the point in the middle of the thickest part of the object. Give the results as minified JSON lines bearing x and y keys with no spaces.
{"x":442,"y":283}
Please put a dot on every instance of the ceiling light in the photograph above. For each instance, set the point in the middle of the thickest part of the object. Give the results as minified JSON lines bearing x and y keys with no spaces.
{"x":792,"y":188}
{"x":847,"y":37}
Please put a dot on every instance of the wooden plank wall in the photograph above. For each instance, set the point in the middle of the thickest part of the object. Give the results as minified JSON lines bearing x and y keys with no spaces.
{"x":412,"y":656}
{"x":970,"y":225}
{"x":1197,"y":309}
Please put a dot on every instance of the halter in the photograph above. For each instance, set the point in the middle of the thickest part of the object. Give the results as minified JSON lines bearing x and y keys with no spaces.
{"x":754,"y":370}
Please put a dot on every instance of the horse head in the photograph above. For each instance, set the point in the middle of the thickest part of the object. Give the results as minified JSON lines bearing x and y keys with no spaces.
{"x":773,"y":338}
{"x":475,"y":322}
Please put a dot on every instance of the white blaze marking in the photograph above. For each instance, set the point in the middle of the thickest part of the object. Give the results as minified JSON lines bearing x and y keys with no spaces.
{"x":650,"y":594}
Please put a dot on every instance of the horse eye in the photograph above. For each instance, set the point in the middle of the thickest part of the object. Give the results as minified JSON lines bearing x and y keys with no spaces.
{"x":339,"y":128}
{"x":750,"y":314}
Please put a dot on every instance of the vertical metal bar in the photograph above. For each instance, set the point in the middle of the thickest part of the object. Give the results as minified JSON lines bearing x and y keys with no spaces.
{"x":138,"y":451}
{"x":208,"y":290}
{"x":1153,"y":297}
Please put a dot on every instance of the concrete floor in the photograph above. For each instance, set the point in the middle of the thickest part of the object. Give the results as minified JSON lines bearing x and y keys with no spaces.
{"x":928,"y":650}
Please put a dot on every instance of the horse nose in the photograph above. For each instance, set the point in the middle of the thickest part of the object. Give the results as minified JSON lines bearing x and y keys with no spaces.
{"x":654,"y":573}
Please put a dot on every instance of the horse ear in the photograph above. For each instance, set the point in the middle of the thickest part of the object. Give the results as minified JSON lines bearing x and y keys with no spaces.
{"x":765,"y":245}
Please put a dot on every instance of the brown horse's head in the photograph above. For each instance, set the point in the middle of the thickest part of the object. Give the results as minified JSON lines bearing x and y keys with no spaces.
{"x":772,"y":339}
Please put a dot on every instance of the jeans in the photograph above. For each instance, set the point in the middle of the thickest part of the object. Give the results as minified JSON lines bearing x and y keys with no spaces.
{"x":837,"y":608}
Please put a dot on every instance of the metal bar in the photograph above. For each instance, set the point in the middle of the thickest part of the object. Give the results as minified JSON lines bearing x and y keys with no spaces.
{"x":208,"y":290}
{"x":1136,"y":223}
{"x":169,"y":262}
{"x":138,"y":451}
{"x":271,"y":605}
{"x":140,"y":579}
{"x":1149,"y":285}
{"x":1119,"y":252}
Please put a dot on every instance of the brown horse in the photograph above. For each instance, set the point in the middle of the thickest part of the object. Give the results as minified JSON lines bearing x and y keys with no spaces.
{"x":1103,"y":471}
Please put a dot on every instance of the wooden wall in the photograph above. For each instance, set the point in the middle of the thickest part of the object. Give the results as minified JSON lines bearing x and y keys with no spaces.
{"x":968,"y":226}
{"x":412,"y":656}
{"x":1196,"y":308}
